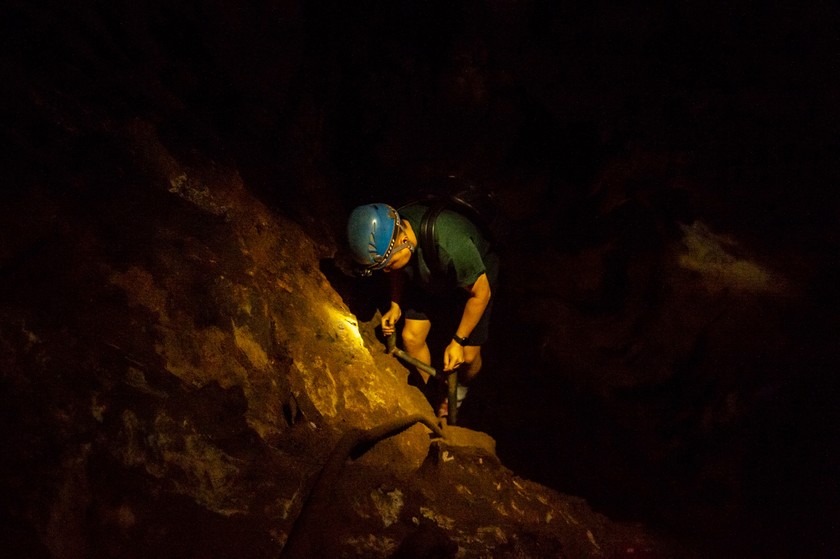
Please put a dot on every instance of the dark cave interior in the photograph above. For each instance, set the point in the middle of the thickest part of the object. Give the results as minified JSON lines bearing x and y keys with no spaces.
{"x":606,"y":127}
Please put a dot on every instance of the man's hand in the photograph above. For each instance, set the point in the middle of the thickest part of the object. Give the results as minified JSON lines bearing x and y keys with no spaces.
{"x":390,"y":319}
{"x":453,"y":357}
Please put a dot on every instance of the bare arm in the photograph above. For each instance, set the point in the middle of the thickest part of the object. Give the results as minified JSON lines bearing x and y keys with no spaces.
{"x":393,"y":314}
{"x":479,"y":298}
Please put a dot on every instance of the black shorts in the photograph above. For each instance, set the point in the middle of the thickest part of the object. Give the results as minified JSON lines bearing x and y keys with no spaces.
{"x":445,"y":313}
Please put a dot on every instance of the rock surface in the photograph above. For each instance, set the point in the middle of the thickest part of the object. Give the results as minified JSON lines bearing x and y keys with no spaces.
{"x":177,"y":371}
{"x":183,"y":349}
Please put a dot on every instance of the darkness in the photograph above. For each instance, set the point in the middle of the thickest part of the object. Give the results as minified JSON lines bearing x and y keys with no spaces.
{"x":740,"y":101}
{"x":604,"y":125}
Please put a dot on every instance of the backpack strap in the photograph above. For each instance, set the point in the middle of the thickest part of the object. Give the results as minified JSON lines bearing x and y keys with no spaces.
{"x":426,"y":237}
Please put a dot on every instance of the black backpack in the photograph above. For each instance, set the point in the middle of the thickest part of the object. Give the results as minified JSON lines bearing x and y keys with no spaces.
{"x":476,"y":203}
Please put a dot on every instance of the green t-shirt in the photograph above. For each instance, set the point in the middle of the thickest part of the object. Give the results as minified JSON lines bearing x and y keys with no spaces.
{"x":463,"y":252}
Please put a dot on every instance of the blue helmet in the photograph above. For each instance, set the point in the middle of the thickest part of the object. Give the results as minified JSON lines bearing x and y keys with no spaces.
{"x":372,"y":230}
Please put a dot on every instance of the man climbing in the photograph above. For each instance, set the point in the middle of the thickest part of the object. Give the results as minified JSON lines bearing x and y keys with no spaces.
{"x":461,"y":274}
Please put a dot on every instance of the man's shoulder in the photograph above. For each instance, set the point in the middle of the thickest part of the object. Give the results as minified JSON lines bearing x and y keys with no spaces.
{"x":456,"y":226}
{"x":448,"y":217}
{"x":413,"y":211}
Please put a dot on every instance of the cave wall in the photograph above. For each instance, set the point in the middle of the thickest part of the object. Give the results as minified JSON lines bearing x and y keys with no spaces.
{"x":667,"y":300}
{"x":177,"y":369}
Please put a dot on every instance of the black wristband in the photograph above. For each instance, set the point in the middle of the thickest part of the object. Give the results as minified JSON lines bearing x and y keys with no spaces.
{"x":459,"y":340}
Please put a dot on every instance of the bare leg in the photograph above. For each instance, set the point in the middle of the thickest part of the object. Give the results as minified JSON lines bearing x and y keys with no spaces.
{"x":414,"y":340}
{"x":472,"y":364}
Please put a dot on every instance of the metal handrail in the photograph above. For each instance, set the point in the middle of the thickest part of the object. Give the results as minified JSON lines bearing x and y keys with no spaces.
{"x":452,"y":378}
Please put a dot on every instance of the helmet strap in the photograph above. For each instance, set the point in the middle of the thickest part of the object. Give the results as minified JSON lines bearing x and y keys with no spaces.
{"x":394,"y":249}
